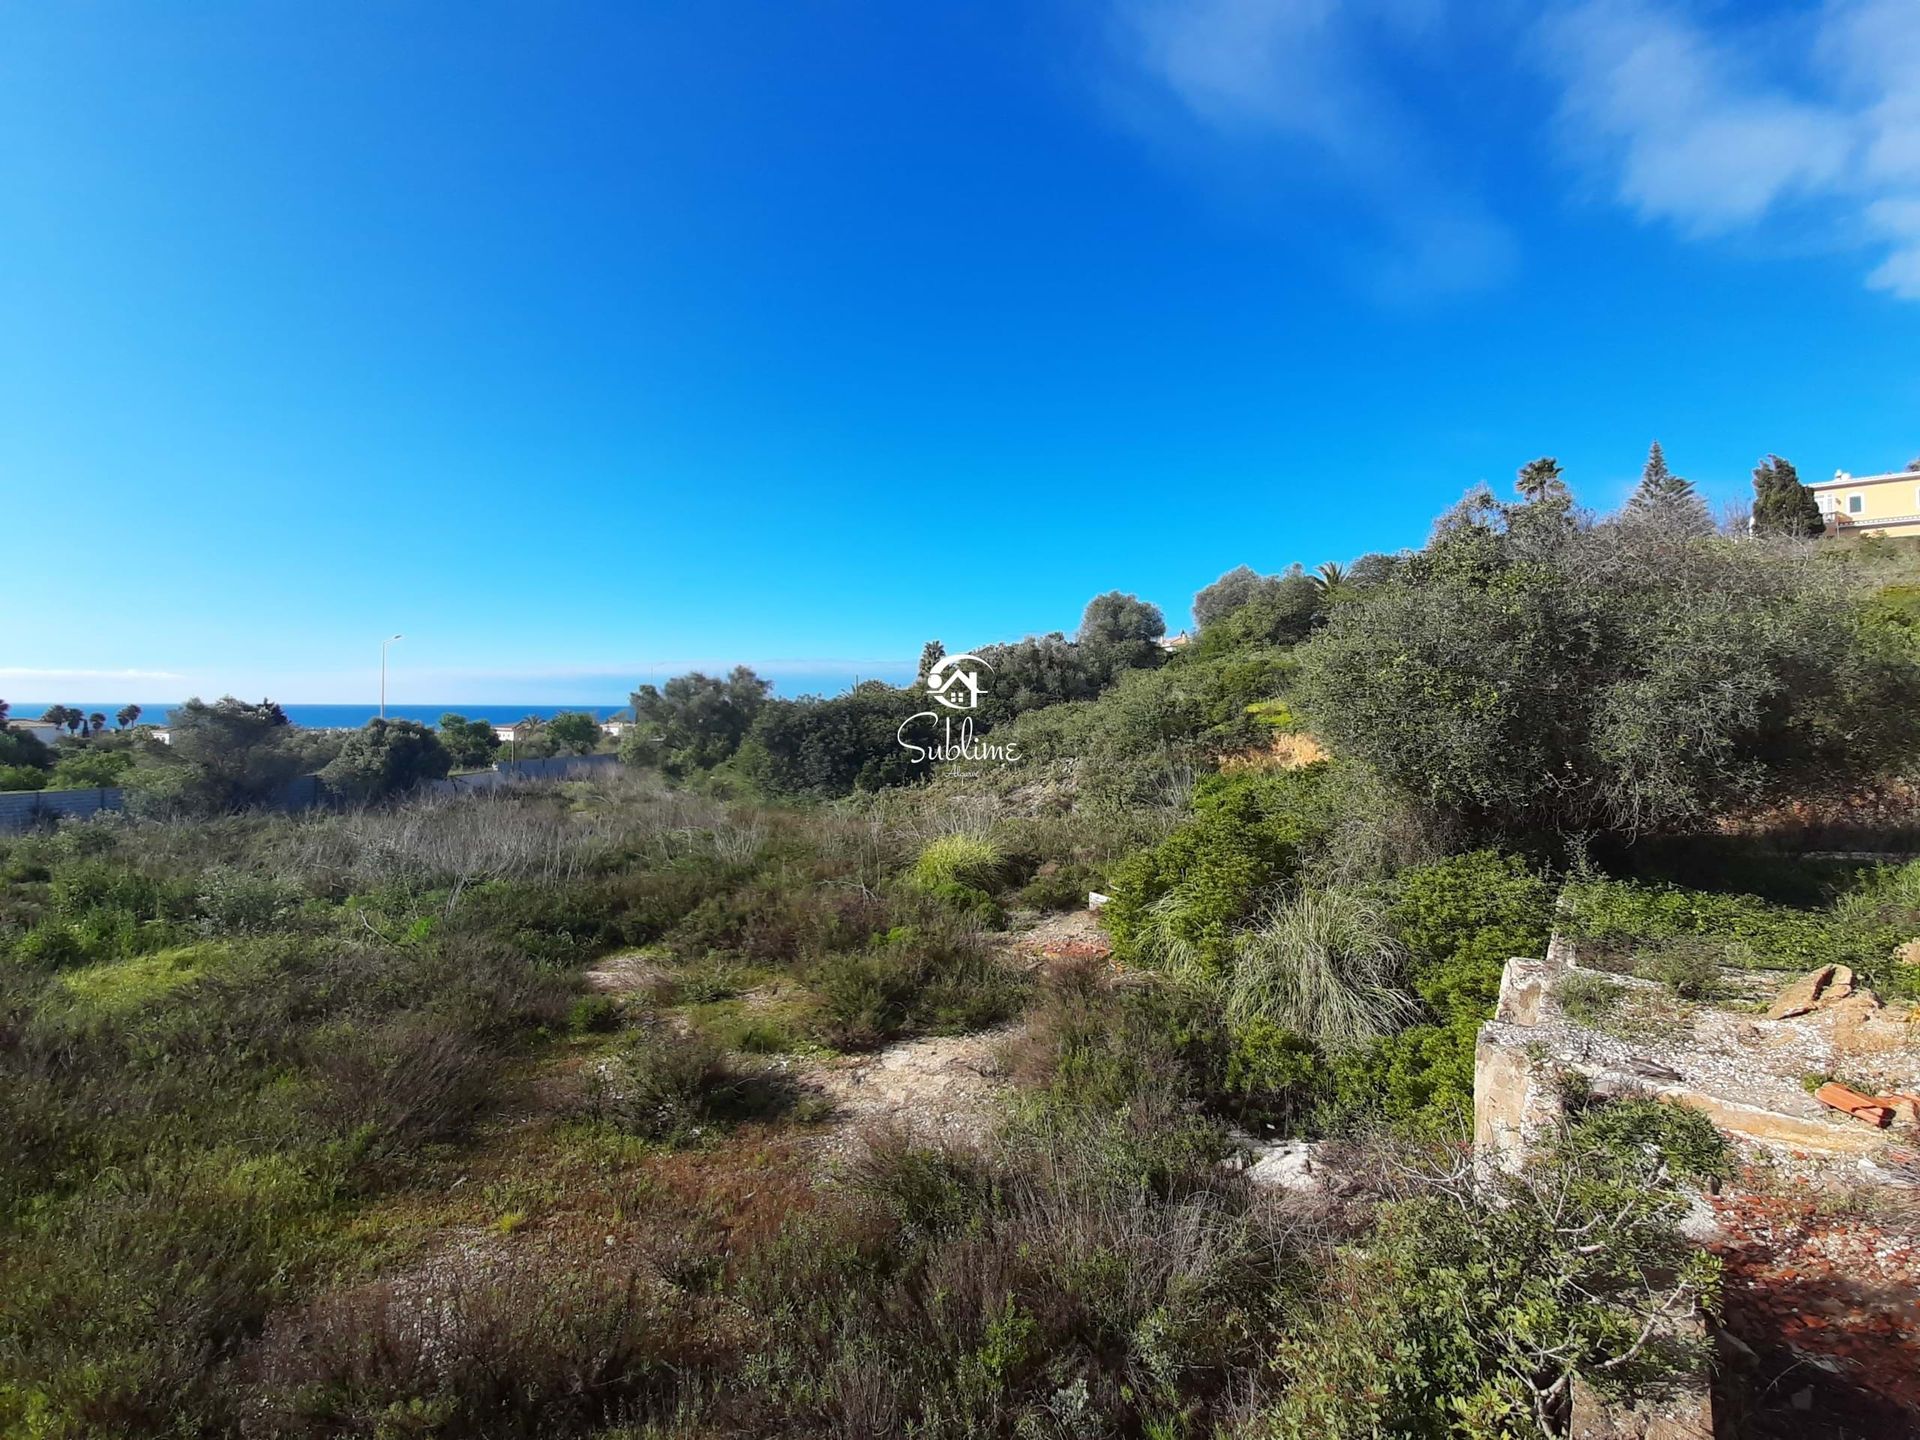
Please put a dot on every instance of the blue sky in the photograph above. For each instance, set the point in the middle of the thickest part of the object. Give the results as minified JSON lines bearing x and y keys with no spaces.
{"x":579,"y":341}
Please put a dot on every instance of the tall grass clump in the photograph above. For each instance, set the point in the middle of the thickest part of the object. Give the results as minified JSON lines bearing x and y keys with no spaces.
{"x":968,"y":860}
{"x":1323,"y":964}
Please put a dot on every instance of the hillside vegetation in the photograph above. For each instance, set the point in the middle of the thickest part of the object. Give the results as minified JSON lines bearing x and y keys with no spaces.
{"x":500,"y":1115}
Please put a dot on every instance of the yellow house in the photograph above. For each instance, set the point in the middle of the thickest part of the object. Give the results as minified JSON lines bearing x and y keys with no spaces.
{"x":1870,"y":504}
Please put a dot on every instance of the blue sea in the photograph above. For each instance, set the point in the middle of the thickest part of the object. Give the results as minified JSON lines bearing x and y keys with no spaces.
{"x":328,"y":717}
{"x":335,"y":717}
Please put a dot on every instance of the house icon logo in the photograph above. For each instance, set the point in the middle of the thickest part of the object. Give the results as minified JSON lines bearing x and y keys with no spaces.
{"x":956,"y":681}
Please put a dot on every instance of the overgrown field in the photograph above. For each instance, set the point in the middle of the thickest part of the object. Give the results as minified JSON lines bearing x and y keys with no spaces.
{"x":316,"y":1129}
{"x":509,"y":1115}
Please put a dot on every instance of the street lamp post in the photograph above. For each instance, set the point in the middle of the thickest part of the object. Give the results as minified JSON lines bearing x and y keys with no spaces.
{"x":383,"y":672}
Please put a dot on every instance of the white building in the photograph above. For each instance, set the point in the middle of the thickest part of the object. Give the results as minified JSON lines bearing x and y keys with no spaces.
{"x":45,"y":731}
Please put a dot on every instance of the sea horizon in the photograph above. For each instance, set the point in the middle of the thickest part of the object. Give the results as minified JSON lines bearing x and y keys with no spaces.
{"x":351,"y":715}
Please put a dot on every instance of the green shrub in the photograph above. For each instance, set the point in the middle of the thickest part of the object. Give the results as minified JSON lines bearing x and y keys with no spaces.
{"x":51,"y":945}
{"x":1063,"y":887}
{"x":594,"y":1015}
{"x":22,"y":777}
{"x":916,"y":978}
{"x":1420,"y":1080}
{"x":1462,"y":919}
{"x":1459,"y":919}
{"x":1745,"y":931}
{"x":972,"y":904}
{"x":1536,"y":677}
{"x":1180,"y":901}
{"x":1683,"y":1139}
{"x":1468,"y":1313}
{"x":1273,"y":1070}
{"x":678,"y":1089}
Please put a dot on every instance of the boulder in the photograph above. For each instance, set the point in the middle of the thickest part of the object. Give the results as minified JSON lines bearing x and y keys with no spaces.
{"x":1804,"y":994}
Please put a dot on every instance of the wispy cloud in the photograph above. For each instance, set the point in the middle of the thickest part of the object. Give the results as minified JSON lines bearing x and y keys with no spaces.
{"x":1724,"y":127}
{"x":1304,"y":78}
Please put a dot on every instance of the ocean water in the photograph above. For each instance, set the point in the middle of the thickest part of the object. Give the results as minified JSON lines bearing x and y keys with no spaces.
{"x":318,"y":717}
{"x":331,"y":717}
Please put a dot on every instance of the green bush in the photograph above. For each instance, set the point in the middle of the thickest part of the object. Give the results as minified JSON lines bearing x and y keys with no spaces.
{"x":594,"y":1015}
{"x":1460,"y":920}
{"x":914,"y":979}
{"x":1273,"y":1070}
{"x":1537,"y":677}
{"x":1181,"y":900}
{"x":1466,"y":1313}
{"x":1063,"y":887}
{"x":678,"y":1089}
{"x":974,"y":905}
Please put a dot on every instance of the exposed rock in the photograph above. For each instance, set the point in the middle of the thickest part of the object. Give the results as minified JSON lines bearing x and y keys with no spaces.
{"x":1803,"y":994}
{"x":1524,"y":986}
{"x":1514,"y":1100}
{"x":627,"y":973}
{"x":1909,"y":953}
{"x":1862,"y":1027}
{"x":1288,"y":1165}
{"x":1743,"y":1073}
{"x":941,"y":1090}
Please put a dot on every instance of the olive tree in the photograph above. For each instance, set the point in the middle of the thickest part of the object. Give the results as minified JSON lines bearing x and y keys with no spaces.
{"x":386,"y":757}
{"x":224,"y":756}
{"x":693,"y":722}
{"x":1121,"y":632}
{"x":1531,"y":674}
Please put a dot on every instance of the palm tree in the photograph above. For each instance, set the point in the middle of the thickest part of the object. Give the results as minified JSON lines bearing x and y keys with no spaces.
{"x":1540,"y":480}
{"x":127,"y":715}
{"x":1329,"y":579}
{"x":96,"y":722}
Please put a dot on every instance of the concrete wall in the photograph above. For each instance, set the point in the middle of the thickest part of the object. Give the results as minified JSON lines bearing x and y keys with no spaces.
{"x":20,"y":809}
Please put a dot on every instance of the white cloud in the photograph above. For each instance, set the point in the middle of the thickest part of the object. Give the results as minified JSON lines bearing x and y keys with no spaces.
{"x":1715,"y":130}
{"x":1303,"y":78}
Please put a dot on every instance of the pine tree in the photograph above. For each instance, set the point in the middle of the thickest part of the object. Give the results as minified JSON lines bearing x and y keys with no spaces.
{"x":1781,"y":504}
{"x":1665,"y":497}
{"x":931,"y":654}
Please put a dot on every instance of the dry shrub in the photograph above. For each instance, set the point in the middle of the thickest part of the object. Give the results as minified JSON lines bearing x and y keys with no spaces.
{"x":420,"y":1079}
{"x":528,"y":1345}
